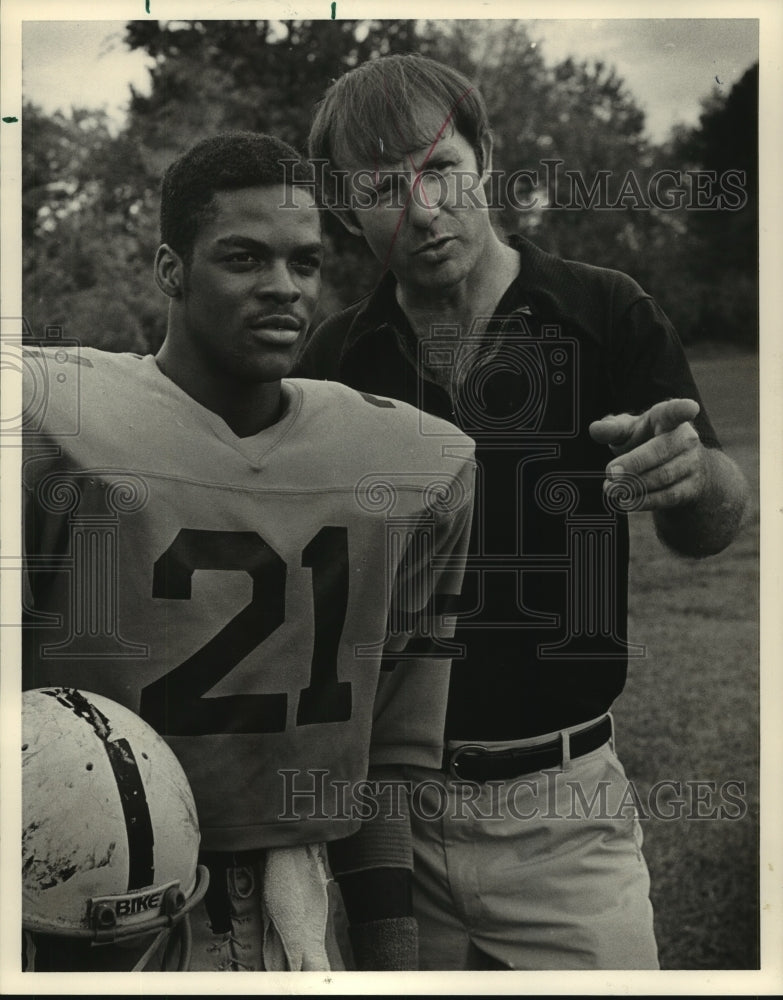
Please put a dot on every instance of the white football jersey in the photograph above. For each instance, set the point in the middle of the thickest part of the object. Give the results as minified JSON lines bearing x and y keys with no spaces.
{"x":247,"y":597}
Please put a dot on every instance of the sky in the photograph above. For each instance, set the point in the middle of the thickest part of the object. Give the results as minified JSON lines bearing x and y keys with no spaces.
{"x":668,"y":64}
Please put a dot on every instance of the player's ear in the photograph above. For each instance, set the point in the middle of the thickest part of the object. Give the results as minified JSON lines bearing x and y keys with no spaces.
{"x":169,"y":271}
{"x":486,"y":156}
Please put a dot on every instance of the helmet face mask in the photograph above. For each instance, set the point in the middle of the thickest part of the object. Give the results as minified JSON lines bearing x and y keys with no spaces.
{"x":58,"y":953}
{"x":110,"y":834}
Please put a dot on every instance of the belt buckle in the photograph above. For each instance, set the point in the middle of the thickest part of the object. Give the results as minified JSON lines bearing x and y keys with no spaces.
{"x":470,"y":749}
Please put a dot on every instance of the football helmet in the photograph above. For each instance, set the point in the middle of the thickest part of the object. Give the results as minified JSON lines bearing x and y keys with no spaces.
{"x":110,"y":835}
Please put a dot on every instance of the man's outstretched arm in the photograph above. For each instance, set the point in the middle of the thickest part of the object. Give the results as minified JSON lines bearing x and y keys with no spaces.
{"x":697,"y":495}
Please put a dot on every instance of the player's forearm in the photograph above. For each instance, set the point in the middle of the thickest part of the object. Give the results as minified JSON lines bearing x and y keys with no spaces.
{"x":382,"y":929}
{"x":374,"y":871}
{"x":707,"y":525}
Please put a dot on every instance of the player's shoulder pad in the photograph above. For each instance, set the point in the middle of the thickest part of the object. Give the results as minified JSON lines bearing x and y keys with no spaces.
{"x":51,"y":363}
{"x":57,"y":380}
{"x":365,"y":415}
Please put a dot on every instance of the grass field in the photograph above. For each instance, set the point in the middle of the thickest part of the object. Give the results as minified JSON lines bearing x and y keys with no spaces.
{"x":689,"y":712}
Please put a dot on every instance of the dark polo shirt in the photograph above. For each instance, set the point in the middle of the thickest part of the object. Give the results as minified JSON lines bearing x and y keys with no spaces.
{"x":543,"y":620}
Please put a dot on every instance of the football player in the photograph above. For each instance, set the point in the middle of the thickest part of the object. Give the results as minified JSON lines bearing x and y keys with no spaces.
{"x":260,"y":567}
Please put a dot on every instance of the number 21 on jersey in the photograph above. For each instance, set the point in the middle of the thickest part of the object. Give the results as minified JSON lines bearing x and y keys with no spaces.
{"x":175,"y":705}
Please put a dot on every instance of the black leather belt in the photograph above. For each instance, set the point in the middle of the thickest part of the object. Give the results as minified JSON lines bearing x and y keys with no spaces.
{"x":474,"y":762}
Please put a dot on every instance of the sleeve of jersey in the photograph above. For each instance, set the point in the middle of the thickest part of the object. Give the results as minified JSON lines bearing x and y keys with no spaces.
{"x":373,"y":865}
{"x":28,"y":597}
{"x":39,"y":397}
{"x":373,"y":868}
{"x":410,"y":704}
{"x":649,"y":365}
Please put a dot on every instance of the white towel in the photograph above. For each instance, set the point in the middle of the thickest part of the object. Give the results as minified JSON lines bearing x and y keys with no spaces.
{"x":295,"y":909}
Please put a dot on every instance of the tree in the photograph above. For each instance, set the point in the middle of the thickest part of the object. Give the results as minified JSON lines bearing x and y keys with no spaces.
{"x":88,"y":232}
{"x":210,"y":75}
{"x":91,"y":198}
{"x":726,"y":241}
{"x":261,"y":75}
{"x":587,"y":145}
{"x":90,"y":206}
{"x":570,"y":151}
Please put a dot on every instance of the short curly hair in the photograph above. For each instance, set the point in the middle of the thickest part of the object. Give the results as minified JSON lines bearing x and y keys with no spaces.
{"x":227,"y":161}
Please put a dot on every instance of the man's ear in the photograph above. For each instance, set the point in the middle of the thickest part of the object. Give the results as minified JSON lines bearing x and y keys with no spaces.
{"x":349,"y":220}
{"x":486,"y":150}
{"x":169,"y":271}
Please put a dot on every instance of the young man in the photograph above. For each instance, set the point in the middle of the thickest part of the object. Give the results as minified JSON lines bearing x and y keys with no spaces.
{"x":235,"y":556}
{"x":527,"y":353}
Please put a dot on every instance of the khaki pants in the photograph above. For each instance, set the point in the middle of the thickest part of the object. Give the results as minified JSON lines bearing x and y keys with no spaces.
{"x":541,"y":872}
